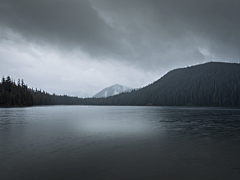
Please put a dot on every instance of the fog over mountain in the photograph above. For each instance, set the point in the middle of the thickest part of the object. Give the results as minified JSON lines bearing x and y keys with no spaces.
{"x":79,"y":47}
{"x":112,"y":90}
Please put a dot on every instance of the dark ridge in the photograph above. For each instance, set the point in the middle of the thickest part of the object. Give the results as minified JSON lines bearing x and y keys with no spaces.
{"x":209,"y":84}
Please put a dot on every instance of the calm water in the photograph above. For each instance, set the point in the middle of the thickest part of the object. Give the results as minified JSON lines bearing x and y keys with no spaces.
{"x":112,"y":142}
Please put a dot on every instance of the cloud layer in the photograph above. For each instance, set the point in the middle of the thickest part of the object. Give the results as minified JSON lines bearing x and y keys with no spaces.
{"x":131,"y":41}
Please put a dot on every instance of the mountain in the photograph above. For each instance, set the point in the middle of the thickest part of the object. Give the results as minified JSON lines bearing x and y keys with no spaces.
{"x":112,"y":90}
{"x":209,"y":84}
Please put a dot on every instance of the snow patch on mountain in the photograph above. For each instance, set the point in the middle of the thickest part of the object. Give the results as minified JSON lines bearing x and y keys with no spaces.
{"x":112,"y":90}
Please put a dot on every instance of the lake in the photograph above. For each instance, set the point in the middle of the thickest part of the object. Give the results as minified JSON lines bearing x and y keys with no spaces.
{"x":119,"y":142}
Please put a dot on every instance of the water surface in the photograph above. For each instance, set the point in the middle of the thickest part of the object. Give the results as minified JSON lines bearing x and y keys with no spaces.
{"x":119,"y":142}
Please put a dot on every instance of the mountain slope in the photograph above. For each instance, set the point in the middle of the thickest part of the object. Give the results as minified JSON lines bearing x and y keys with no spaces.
{"x":209,"y":84}
{"x":112,"y":90}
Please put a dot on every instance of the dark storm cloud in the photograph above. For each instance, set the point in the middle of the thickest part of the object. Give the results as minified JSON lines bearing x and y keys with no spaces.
{"x":213,"y":20}
{"x":65,"y":23}
{"x":176,"y":29}
{"x":148,"y":33}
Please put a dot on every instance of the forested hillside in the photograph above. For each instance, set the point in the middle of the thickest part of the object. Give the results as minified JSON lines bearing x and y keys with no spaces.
{"x":210,"y":84}
{"x":18,"y":95}
{"x":44,"y":98}
{"x":12,"y":94}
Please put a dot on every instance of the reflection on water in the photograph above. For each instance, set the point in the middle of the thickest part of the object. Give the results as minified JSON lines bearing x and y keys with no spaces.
{"x":210,"y":122}
{"x":103,"y":142}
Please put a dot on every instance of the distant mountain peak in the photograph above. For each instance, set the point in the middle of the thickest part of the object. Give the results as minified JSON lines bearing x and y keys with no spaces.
{"x":112,"y":90}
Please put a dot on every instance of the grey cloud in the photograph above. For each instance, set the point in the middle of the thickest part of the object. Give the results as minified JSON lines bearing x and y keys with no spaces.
{"x":214,"y":20}
{"x":147,"y":33}
{"x":65,"y":23}
{"x":180,"y":26}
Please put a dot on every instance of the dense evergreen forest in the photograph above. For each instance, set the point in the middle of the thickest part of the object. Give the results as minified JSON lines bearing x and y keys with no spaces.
{"x":12,"y":94}
{"x":44,"y":98}
{"x":209,"y":84}
{"x":18,"y":95}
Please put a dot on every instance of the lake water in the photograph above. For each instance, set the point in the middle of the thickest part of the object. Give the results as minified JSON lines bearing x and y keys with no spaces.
{"x":119,"y":142}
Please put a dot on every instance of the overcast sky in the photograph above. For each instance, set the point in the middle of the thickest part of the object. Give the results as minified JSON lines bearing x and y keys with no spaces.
{"x":79,"y":47}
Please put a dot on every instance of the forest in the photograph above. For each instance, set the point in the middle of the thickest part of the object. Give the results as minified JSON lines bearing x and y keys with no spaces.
{"x":12,"y":94}
{"x":209,"y":84}
{"x":19,"y":95}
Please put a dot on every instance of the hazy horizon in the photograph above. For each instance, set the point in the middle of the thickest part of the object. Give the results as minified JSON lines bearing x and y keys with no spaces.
{"x":39,"y":88}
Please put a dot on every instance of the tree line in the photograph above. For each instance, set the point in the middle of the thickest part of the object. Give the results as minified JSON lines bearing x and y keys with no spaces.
{"x":12,"y":94}
{"x":209,"y":84}
{"x":18,"y":94}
